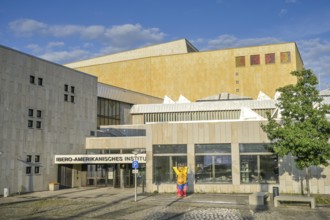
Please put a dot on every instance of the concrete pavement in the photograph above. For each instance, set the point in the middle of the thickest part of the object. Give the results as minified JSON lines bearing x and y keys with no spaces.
{"x":110,"y":203}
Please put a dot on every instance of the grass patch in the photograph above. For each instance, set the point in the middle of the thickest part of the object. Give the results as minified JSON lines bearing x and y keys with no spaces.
{"x":322,"y":199}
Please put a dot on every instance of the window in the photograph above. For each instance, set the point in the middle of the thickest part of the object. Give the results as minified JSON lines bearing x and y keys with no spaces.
{"x":30,"y":123}
{"x":213,"y":163}
{"x":285,"y":57}
{"x":36,"y":170}
{"x":40,"y":81}
{"x":165,"y":157}
{"x":270,"y":58}
{"x":237,"y":90}
{"x":254,"y":60}
{"x":72,"y":89}
{"x":28,"y":170}
{"x":32,"y":79}
{"x":30,"y":113}
{"x":28,"y":158}
{"x":237,"y":81}
{"x":66,"y":88}
{"x":66,"y":97}
{"x":38,"y":113}
{"x":38,"y":124}
{"x":258,"y":164}
{"x":72,"y":99}
{"x":37,"y":158}
{"x":240,"y":61}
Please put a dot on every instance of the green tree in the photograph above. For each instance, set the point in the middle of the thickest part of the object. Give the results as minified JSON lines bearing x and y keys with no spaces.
{"x":303,"y":129}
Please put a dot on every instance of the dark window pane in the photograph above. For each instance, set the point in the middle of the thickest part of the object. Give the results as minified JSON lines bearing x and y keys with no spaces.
{"x":66,"y":88}
{"x":212,"y":148}
{"x":31,"y":112}
{"x":72,"y":99}
{"x":32,"y":79}
{"x":66,"y":97}
{"x":163,"y":168}
{"x":72,"y":89}
{"x":28,"y":158}
{"x":28,"y":170}
{"x":40,"y":81}
{"x":37,"y":158}
{"x":36,"y":170}
{"x":38,"y":124}
{"x":244,"y":148}
{"x":165,"y":149}
{"x":30,"y":123}
{"x":39,"y":113}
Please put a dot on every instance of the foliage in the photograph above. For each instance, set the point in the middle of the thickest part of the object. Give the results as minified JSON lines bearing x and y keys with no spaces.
{"x":303,"y":131}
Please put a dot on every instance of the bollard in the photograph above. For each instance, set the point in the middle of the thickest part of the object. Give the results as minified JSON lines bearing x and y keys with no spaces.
{"x":275,"y":191}
{"x":5,"y":192}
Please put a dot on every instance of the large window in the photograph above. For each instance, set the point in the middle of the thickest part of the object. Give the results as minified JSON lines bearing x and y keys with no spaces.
{"x":258,"y":164}
{"x":213,"y":163}
{"x":108,"y":112}
{"x":165,"y":157}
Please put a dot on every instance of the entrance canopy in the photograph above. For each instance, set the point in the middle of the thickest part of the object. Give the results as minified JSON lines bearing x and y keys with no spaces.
{"x":99,"y":158}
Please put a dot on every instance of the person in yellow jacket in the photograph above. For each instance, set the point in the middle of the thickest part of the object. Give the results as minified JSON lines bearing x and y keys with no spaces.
{"x":182,"y":185}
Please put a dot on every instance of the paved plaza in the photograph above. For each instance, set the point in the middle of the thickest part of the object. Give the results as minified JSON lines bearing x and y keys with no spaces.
{"x":110,"y":203}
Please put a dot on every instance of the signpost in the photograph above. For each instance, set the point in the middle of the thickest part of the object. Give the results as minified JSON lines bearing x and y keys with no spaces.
{"x":135,"y":166}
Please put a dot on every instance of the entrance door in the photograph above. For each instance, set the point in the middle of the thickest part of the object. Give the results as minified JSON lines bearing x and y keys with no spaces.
{"x":65,"y":176}
{"x":97,"y":175}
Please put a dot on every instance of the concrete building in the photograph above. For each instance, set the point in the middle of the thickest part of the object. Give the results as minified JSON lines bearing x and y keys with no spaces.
{"x":177,"y":68}
{"x":62,"y":125}
{"x":45,"y":109}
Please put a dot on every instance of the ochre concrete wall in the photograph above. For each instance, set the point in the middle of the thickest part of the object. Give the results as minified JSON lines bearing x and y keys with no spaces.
{"x":201,"y":74}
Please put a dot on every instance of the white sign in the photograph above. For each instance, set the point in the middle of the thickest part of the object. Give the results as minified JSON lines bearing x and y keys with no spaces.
{"x":135,"y":171}
{"x":99,"y":158}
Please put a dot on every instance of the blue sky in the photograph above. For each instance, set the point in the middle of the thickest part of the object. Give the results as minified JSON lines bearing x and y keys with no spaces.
{"x":64,"y":31}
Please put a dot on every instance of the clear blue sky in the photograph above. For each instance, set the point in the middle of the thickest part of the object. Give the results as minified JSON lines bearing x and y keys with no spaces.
{"x":64,"y":31}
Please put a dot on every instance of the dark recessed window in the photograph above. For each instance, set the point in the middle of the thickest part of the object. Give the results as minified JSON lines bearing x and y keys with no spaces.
{"x":38,"y":124}
{"x":32,"y":79}
{"x":37,"y":158}
{"x":66,"y":88}
{"x":31,"y":112}
{"x":28,"y":158}
{"x":40,"y":81}
{"x":237,"y":82}
{"x":30,"y":123}
{"x":28,"y":170}
{"x":38,"y":113}
{"x":66,"y":97}
{"x":36,"y":170}
{"x":237,"y":90}
{"x":72,"y":89}
{"x":72,"y":99}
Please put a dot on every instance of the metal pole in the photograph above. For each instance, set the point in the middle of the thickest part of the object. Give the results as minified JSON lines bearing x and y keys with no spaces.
{"x":135,"y":185}
{"x":135,"y":182}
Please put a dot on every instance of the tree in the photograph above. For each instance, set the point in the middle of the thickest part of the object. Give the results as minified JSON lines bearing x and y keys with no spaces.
{"x":303,"y":130}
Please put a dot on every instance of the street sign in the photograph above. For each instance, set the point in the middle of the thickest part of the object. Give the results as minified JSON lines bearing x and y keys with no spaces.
{"x":135,"y":164}
{"x":135,"y":171}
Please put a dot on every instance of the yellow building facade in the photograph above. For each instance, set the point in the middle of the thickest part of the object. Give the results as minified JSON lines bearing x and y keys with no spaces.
{"x":177,"y":68}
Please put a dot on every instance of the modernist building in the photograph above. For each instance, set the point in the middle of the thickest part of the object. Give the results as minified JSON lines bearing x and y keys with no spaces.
{"x":72,"y":127}
{"x":177,"y":68}
{"x":47,"y":109}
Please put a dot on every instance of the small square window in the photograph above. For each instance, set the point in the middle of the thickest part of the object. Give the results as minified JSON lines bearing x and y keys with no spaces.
{"x":285,"y":57}
{"x":237,"y":74}
{"x":32,"y":79}
{"x":36,"y":170}
{"x":72,"y":99}
{"x":66,"y":88}
{"x":28,"y":170}
{"x":240,"y":61}
{"x":31,"y":112}
{"x":237,"y":82}
{"x":37,"y":158}
{"x":237,"y":90}
{"x":66,"y":97}
{"x":270,"y":58}
{"x":28,"y":158}
{"x":72,"y":89}
{"x":38,"y":124}
{"x":254,"y":60}
{"x":40,"y":81}
{"x":38,"y":113}
{"x":30,"y":123}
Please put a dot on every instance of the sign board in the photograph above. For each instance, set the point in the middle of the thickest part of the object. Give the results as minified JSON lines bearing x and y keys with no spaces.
{"x":135,"y":171}
{"x":99,"y":158}
{"x":135,"y":164}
